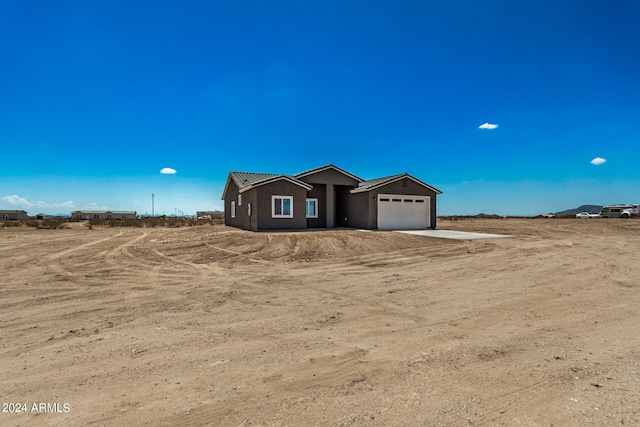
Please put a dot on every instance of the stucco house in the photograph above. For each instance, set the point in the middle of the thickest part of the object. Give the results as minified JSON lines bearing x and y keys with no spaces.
{"x":104,"y":215}
{"x":327,"y":197}
{"x":13,"y":214}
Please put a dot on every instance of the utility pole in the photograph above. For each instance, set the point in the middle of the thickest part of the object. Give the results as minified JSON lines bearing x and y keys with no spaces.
{"x":152,"y":205}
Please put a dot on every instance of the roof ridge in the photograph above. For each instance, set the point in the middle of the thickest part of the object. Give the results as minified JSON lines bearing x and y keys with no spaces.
{"x":385,"y":177}
{"x":256,"y":173}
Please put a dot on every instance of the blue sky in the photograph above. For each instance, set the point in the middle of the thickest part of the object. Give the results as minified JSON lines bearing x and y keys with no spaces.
{"x":97,"y":97}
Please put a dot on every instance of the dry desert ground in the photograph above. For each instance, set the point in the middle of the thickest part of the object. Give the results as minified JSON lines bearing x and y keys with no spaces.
{"x":217,"y":326}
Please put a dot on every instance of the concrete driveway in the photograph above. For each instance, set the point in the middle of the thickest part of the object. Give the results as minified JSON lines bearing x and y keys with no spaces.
{"x":450,"y":234}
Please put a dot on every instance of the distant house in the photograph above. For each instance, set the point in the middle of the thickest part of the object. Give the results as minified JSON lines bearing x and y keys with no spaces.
{"x":13,"y":214}
{"x":327,"y":197}
{"x":209,"y":215}
{"x":104,"y":215}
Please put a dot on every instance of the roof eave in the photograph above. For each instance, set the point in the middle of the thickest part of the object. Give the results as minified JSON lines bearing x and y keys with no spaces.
{"x":274,"y":179}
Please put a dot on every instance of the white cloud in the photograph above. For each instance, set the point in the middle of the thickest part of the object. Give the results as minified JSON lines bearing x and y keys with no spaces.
{"x":487,"y":126}
{"x":598,"y":161}
{"x":95,"y":207}
{"x":168,"y":171}
{"x":15,"y":200}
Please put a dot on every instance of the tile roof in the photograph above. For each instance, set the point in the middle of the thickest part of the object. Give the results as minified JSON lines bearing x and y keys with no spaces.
{"x":245,"y":179}
{"x":366,"y":185}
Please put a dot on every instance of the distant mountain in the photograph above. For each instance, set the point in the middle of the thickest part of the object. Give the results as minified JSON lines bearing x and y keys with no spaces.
{"x":484,"y":215}
{"x":583,"y":208}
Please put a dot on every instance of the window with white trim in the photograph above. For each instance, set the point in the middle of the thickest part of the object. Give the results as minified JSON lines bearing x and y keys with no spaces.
{"x":239,"y":199}
{"x":281,"y":206}
{"x":248,"y":209}
{"x":312,"y":208}
{"x":233,"y":209}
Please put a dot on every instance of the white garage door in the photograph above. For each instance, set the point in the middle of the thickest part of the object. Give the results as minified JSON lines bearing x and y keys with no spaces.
{"x":398,"y":211}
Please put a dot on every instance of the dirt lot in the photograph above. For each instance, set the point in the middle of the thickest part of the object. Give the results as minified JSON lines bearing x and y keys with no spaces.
{"x":217,"y":326}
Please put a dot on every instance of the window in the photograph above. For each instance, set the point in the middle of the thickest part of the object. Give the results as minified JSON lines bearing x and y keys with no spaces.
{"x":248,"y":209}
{"x":233,"y":209}
{"x":312,"y":208}
{"x":239,"y":199}
{"x":282,"y":206}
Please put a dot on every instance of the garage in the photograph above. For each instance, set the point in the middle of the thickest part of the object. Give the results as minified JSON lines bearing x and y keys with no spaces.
{"x":403,"y":212}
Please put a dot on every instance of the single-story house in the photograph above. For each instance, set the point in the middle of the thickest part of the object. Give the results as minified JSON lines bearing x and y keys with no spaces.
{"x":209,"y":215}
{"x":104,"y":215}
{"x":13,"y":214}
{"x":327,"y":197}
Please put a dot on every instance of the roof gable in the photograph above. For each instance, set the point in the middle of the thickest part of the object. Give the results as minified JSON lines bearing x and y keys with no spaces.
{"x":372,"y":184}
{"x":325,"y":167}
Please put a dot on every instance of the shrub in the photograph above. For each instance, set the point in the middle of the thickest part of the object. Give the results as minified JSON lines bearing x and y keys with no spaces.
{"x":52,"y":223}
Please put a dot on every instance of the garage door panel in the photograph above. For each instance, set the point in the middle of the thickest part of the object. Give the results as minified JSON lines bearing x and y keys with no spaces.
{"x":397,"y":211}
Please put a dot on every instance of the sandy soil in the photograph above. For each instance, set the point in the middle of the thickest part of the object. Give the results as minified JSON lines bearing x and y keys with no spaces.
{"x":217,"y":326}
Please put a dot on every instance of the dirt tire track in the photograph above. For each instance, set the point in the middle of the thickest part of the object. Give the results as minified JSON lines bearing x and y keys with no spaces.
{"x":212,"y":325}
{"x":53,"y":261}
{"x":111,"y":256}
